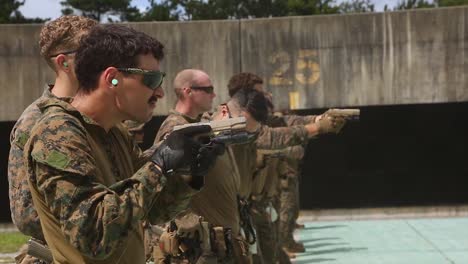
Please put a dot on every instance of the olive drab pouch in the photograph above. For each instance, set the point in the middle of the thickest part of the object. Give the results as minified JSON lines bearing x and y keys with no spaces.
{"x":220,"y":242}
{"x":169,"y":243}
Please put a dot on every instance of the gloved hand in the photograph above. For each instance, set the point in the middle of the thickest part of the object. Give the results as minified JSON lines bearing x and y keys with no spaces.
{"x":181,"y":152}
{"x":330,"y":124}
{"x":204,"y":161}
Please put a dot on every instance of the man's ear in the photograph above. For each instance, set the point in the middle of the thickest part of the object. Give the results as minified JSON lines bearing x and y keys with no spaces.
{"x":61,"y":63}
{"x":187,"y":91}
{"x":112,"y":77}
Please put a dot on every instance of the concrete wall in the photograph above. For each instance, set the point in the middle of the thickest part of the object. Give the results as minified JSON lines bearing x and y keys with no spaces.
{"x":356,"y":60}
{"x":307,"y":62}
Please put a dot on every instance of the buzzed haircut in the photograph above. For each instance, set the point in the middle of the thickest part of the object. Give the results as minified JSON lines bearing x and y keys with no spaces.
{"x":111,"y":45}
{"x":182,"y":78}
{"x":186,"y":77}
{"x":63,"y":34}
{"x":243,"y":80}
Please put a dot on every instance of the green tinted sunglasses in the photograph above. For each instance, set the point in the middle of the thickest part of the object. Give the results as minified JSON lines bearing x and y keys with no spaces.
{"x":152,"y":79}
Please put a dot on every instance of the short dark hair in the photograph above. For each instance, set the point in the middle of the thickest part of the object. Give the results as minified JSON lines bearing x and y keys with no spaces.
{"x":243,"y":80}
{"x":253,"y":102}
{"x":111,"y":45}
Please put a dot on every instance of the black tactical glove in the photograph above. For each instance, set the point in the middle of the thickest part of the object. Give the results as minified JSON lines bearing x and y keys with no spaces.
{"x":180,"y":152}
{"x":205,"y":160}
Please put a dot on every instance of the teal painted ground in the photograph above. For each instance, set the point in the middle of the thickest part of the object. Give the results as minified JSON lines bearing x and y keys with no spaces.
{"x":425,"y":241}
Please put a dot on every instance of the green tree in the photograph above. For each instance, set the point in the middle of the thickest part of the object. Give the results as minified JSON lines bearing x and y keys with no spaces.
{"x":237,"y":9}
{"x":164,"y":11}
{"x":443,"y":3}
{"x":211,"y":9}
{"x":411,"y":4}
{"x":311,"y":7}
{"x":9,"y":13}
{"x":96,"y":9}
{"x":357,"y":6}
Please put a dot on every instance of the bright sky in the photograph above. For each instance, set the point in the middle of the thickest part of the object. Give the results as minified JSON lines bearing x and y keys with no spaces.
{"x":52,"y":8}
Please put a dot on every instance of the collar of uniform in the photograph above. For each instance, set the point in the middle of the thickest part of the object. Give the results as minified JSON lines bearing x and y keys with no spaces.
{"x":186,"y":117}
{"x":65,"y":105}
{"x":48,"y":94}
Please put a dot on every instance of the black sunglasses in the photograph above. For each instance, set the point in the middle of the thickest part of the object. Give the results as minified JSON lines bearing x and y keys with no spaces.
{"x":206,"y":89}
{"x":64,"y":53}
{"x":151,"y":79}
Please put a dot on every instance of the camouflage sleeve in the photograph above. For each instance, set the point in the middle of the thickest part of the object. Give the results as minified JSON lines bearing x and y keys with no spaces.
{"x":94,"y":218}
{"x":23,"y":213}
{"x":295,"y":152}
{"x":294,"y":120}
{"x":281,"y":137}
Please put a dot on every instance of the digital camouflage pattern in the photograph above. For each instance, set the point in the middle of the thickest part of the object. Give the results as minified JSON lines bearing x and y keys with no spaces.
{"x":289,"y":194}
{"x":273,"y":147}
{"x":266,"y":231}
{"x":92,"y":189}
{"x":23,"y":213}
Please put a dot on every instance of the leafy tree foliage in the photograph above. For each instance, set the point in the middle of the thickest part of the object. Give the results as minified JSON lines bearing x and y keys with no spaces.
{"x":96,"y":9}
{"x":411,"y":4}
{"x":442,"y":3}
{"x":10,"y":14}
{"x":357,"y":6}
{"x":311,"y":7}
{"x":164,"y":11}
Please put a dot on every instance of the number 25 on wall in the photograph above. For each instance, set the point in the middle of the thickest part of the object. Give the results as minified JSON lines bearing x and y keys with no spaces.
{"x":307,"y":69}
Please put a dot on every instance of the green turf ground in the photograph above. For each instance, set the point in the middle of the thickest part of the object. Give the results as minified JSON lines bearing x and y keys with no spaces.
{"x":11,"y":241}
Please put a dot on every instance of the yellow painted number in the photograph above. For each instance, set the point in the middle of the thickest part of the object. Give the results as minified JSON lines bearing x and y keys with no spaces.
{"x":307,"y":69}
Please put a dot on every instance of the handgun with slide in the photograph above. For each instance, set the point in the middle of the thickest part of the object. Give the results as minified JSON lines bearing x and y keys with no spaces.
{"x":227,"y":131}
{"x":351,"y":114}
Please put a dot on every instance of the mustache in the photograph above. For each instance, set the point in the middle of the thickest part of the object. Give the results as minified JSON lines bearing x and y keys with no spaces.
{"x":153,"y":99}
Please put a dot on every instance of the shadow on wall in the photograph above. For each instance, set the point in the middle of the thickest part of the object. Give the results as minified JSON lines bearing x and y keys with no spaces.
{"x":395,"y":155}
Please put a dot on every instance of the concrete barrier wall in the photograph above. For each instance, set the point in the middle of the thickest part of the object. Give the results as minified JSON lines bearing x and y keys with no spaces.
{"x":355,"y":60}
{"x":307,"y":62}
{"x":209,"y":45}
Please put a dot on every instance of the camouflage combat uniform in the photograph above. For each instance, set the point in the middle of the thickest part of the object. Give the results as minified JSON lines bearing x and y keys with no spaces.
{"x":289,"y":185}
{"x":289,"y":194}
{"x":246,"y":159}
{"x":216,"y":203}
{"x":271,"y":154}
{"x":23,"y":213}
{"x":92,"y":189}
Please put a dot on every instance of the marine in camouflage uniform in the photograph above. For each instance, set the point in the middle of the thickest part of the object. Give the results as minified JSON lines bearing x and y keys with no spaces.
{"x":315,"y":125}
{"x":101,"y":186}
{"x":289,"y":185}
{"x":264,"y":202}
{"x":56,"y":38}
{"x":216,"y":205}
{"x":254,"y":186}
{"x":23,"y":213}
{"x":91,"y":185}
